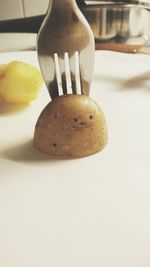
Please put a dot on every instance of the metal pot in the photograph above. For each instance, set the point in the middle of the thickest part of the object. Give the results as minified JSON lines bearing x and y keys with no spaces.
{"x":115,"y":21}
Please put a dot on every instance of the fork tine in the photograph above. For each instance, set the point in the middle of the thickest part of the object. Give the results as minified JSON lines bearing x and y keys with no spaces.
{"x":58,"y":74}
{"x":68,"y":73}
{"x":77,"y":74}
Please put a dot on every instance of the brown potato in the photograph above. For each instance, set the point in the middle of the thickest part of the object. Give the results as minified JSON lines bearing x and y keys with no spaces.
{"x":71,"y":126}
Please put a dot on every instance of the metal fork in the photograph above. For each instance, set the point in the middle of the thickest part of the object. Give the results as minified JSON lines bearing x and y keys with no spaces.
{"x":66,"y":43}
{"x":63,"y":74}
{"x":68,"y":82}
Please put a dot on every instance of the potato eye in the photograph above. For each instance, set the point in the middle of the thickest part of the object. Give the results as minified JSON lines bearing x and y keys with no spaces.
{"x":54,"y":145}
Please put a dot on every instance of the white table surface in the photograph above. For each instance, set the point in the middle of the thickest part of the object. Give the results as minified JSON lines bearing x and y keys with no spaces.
{"x":89,"y":212}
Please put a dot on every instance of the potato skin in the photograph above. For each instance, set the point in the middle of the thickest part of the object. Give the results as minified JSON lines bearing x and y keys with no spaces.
{"x":71,"y":126}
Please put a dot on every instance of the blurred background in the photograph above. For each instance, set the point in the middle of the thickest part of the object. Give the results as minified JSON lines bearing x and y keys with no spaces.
{"x":123,"y":22}
{"x":10,"y":9}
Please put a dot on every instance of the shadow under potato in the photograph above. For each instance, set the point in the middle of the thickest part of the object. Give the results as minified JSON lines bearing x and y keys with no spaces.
{"x":26,"y":153}
{"x":139,"y":81}
{"x":6,"y":108}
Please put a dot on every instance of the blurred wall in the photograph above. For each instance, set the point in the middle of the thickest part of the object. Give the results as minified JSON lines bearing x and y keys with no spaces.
{"x":10,"y":9}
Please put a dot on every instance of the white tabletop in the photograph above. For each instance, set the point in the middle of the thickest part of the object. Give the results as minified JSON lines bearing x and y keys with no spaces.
{"x":87,"y":212}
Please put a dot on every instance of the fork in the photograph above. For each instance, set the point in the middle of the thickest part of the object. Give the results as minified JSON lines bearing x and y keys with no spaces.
{"x":66,"y":49}
{"x":66,"y":81}
{"x":65,"y":75}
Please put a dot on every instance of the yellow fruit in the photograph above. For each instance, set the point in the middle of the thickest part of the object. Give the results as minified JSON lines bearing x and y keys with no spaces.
{"x":2,"y":69}
{"x":19,"y":82}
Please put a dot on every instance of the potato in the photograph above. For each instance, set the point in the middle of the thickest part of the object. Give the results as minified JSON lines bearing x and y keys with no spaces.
{"x":19,"y":82}
{"x":71,"y":126}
